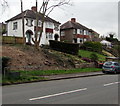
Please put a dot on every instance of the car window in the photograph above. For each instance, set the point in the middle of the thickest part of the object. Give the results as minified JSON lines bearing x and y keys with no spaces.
{"x":108,"y":63}
{"x":116,"y":64}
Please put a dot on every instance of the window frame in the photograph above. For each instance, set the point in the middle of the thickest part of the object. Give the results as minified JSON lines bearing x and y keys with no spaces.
{"x":15,"y":25}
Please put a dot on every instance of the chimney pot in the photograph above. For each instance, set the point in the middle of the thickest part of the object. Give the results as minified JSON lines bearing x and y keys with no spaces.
{"x":73,"y":19}
{"x":34,"y":8}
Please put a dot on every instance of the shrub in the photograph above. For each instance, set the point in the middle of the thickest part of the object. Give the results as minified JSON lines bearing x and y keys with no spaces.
{"x":92,"y":46}
{"x":94,"y":57}
{"x":4,"y":61}
{"x":86,"y":59}
{"x":65,"y":47}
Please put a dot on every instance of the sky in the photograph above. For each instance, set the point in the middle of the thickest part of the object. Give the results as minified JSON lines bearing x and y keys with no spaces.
{"x":99,"y":15}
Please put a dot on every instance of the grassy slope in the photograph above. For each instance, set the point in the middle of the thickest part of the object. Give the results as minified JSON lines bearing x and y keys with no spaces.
{"x":39,"y":75}
{"x":87,"y":54}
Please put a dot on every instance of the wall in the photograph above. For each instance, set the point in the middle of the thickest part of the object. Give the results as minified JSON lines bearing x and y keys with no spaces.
{"x":17,"y":32}
{"x":68,"y":36}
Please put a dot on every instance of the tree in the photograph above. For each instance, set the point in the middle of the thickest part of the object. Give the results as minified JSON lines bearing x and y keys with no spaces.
{"x":4,"y":5}
{"x":23,"y":29}
{"x":94,"y":58}
{"x":111,"y":34}
{"x":45,"y":10}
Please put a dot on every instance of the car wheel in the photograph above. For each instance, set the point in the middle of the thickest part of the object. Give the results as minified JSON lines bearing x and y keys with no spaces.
{"x":115,"y":72}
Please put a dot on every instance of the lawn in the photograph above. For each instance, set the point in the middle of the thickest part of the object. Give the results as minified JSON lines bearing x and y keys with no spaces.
{"x":28,"y":76}
{"x":84,"y":53}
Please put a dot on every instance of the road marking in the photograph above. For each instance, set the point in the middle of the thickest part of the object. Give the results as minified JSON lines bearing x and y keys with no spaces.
{"x":111,"y":83}
{"x":63,"y":93}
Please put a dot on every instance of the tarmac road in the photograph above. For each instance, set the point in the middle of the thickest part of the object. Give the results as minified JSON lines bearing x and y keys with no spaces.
{"x":86,"y":90}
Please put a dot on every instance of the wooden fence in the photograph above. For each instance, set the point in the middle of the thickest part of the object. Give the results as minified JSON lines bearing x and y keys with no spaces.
{"x":12,"y":40}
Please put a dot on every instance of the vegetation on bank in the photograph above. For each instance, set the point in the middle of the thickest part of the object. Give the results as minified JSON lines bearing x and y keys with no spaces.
{"x":87,"y":54}
{"x":28,"y":76}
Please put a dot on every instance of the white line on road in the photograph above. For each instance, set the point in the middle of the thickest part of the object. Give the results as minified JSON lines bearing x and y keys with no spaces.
{"x":63,"y":93}
{"x":111,"y":83}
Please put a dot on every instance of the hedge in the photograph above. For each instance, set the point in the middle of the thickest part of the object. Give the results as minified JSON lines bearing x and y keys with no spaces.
{"x":92,"y":46}
{"x":69,"y":48}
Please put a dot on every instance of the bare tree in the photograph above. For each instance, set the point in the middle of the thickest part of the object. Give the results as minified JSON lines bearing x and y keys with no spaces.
{"x":111,"y":34}
{"x":4,"y":5}
{"x":45,"y":10}
{"x":23,"y":29}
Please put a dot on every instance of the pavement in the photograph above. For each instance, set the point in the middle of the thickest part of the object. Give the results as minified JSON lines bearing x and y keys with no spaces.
{"x":77,"y":75}
{"x":64,"y":76}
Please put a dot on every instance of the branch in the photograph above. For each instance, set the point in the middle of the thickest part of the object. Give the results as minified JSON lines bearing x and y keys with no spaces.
{"x":57,"y":5}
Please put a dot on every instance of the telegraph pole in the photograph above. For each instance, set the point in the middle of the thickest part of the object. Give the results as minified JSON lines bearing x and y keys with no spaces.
{"x":23,"y":28}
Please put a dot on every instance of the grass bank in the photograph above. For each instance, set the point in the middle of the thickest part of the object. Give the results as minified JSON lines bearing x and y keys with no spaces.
{"x":84,"y":53}
{"x":28,"y":76}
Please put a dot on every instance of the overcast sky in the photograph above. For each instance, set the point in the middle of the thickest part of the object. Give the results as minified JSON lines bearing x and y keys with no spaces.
{"x":99,"y":15}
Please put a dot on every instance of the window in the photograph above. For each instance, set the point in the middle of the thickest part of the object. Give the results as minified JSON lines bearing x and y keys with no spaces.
{"x":62,"y":33}
{"x":116,"y":64}
{"x":49,"y":25}
{"x":49,"y":35}
{"x":56,"y":27}
{"x":78,"y":31}
{"x":39,"y":23}
{"x":81,"y":40}
{"x":15,"y":25}
{"x":81,"y":31}
{"x":29,"y":22}
{"x":74,"y":31}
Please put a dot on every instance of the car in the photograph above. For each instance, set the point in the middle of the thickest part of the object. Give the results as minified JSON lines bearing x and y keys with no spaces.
{"x":111,"y":67}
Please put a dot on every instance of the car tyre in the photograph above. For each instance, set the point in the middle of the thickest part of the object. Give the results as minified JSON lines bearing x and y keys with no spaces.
{"x":115,"y":72}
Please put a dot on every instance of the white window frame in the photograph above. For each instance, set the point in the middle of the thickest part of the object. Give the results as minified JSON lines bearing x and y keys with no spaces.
{"x":62,"y":33}
{"x":29,"y":22}
{"x":15,"y":25}
{"x":49,"y":35}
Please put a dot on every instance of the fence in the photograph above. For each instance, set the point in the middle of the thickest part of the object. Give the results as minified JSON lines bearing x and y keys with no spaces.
{"x":12,"y":40}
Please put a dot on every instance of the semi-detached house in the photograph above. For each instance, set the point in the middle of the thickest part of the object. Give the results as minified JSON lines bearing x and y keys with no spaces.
{"x":74,"y":32}
{"x":51,"y":29}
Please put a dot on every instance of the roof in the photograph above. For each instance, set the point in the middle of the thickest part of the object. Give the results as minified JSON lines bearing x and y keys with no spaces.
{"x":75,"y":25}
{"x":32,"y":14}
{"x":93,"y":31}
{"x":71,"y":25}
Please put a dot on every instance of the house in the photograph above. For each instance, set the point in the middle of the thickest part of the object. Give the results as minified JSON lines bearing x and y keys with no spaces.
{"x":106,"y":43}
{"x":74,"y":32}
{"x":51,"y":29}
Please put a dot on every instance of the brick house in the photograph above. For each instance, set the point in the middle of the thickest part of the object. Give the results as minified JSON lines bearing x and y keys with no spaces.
{"x":51,"y":29}
{"x":74,"y":32}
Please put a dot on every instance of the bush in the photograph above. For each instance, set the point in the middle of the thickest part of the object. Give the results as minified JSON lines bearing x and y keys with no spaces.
{"x":4,"y":61}
{"x":86,"y":59}
{"x":92,"y":46}
{"x":94,"y":57}
{"x":65,"y":47}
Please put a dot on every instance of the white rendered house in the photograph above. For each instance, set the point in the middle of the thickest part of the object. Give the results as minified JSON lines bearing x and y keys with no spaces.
{"x":51,"y":30}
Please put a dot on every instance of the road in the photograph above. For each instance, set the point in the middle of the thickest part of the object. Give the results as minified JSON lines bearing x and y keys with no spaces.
{"x":87,"y":90}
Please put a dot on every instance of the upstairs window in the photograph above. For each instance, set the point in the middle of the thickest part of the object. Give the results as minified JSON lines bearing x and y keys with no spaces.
{"x":56,"y":27}
{"x":78,"y":31}
{"x":74,"y":31}
{"x":29,"y":22}
{"x":62,"y":33}
{"x":15,"y":25}
{"x":49,"y":25}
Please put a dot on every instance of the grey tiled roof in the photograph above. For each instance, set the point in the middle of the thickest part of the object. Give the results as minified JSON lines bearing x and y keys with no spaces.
{"x":32,"y":14}
{"x":74,"y":25}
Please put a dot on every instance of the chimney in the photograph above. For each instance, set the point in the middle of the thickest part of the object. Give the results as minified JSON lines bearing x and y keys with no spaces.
{"x":73,"y":19}
{"x":34,"y":8}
